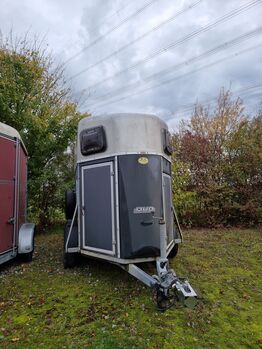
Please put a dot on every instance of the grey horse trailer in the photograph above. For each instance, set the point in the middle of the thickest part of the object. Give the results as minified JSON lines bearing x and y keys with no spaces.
{"x":121,"y":209}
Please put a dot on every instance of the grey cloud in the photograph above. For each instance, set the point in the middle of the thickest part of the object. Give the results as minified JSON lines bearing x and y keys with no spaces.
{"x":70,"y":26}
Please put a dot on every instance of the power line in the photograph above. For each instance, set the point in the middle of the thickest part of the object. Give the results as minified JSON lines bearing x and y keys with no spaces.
{"x":226,"y":45}
{"x":141,"y":9}
{"x":116,"y":12}
{"x":242,"y":95}
{"x":180,"y":76}
{"x":181,"y":41}
{"x":105,"y":19}
{"x":116,"y":52}
{"x":187,"y":107}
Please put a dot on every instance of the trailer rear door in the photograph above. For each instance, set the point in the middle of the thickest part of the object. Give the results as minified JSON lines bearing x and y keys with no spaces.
{"x":98,"y":207}
{"x":7,"y":192}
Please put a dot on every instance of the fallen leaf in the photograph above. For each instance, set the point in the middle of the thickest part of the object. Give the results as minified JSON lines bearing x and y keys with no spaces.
{"x":15,"y":339}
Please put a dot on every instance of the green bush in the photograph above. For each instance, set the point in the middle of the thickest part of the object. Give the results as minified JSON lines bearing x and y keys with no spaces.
{"x":217,"y":166}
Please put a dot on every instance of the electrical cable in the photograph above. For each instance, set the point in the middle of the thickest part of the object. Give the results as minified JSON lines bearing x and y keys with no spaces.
{"x":105,"y":19}
{"x":116,"y":52}
{"x":116,"y":12}
{"x":171,"y":80}
{"x":101,"y":37}
{"x":226,"y":45}
{"x":181,"y":41}
{"x":187,"y":107}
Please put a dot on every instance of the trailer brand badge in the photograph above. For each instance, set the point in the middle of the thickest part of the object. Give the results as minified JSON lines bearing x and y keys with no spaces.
{"x":144,"y":209}
{"x":143,"y":160}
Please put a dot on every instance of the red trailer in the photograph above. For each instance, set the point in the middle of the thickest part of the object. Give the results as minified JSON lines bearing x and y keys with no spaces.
{"x":16,"y":235}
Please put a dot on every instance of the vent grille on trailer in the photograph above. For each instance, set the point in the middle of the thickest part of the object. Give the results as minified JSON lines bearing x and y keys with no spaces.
{"x":93,"y":140}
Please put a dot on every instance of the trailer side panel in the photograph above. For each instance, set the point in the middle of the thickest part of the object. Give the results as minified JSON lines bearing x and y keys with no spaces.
{"x":7,"y":192}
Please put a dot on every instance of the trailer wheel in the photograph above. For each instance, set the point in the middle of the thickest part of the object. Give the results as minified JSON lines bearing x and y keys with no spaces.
{"x":27,"y":257}
{"x":174,"y":251}
{"x":69,"y":260}
{"x":70,"y":203}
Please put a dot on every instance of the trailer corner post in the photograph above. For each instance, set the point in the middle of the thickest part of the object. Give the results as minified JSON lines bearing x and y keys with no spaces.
{"x":16,"y":193}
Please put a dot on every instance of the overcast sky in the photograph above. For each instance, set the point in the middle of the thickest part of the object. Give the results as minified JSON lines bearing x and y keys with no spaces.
{"x":83,"y":33}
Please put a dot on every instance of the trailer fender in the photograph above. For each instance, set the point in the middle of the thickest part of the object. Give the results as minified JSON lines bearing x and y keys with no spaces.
{"x":26,"y":238}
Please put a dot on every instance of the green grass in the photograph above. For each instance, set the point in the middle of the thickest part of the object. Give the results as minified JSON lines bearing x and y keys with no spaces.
{"x":98,"y":305}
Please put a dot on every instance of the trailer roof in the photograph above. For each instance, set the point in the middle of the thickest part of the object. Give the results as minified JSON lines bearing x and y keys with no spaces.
{"x":125,"y":133}
{"x":11,"y":132}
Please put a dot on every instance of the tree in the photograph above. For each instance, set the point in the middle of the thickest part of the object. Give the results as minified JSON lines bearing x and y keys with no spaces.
{"x":221,"y":150}
{"x":184,"y":195}
{"x":243,"y":170}
{"x":36,"y":100}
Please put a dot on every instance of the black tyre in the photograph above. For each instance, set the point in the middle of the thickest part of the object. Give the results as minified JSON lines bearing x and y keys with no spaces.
{"x":70,"y":259}
{"x":174,"y":251}
{"x":70,"y":203}
{"x":27,"y":257}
